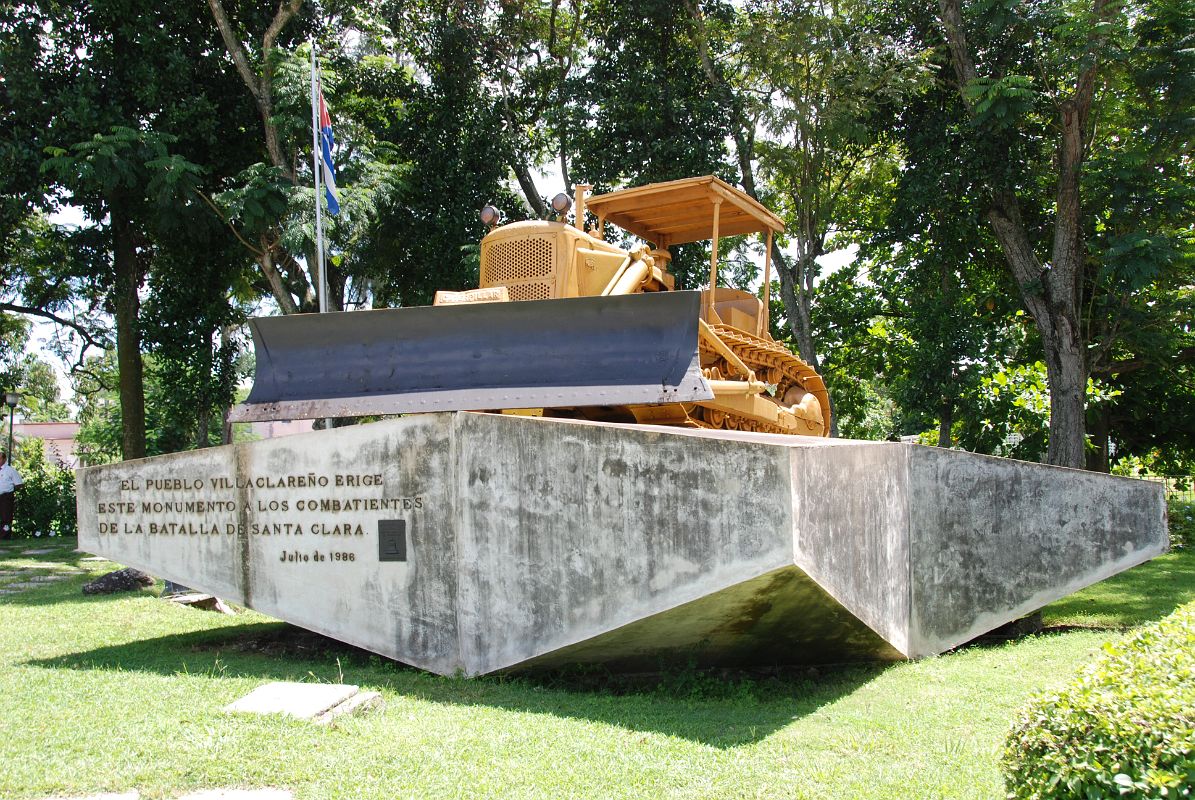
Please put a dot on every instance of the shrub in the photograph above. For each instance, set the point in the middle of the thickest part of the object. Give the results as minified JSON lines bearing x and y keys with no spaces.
{"x":1125,"y":727}
{"x":46,"y":503}
{"x":1182,"y":524}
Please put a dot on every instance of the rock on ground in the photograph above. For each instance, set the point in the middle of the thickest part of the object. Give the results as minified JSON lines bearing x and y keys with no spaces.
{"x":122,"y":580}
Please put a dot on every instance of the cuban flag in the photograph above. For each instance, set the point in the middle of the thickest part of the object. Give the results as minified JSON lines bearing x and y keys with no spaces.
{"x":327,"y":172}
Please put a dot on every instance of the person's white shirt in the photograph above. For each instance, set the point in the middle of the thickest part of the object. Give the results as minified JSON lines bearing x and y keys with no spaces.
{"x":9,"y":479}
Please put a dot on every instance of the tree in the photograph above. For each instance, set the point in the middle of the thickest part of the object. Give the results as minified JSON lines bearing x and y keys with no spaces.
{"x":52,"y":273}
{"x":947,"y":317}
{"x":998,"y":158}
{"x":1076,"y":50}
{"x":1047,"y":71}
{"x":1139,"y":191}
{"x":534,"y":48}
{"x":41,"y":398}
{"x":643,"y":112}
{"x":450,"y":132}
{"x":127,"y":176}
{"x":271,"y":204}
{"x":28,"y":374}
{"x":257,"y":65}
{"x":171,"y":417}
{"x":130,"y":101}
{"x":193,"y":315}
{"x":805,"y":86}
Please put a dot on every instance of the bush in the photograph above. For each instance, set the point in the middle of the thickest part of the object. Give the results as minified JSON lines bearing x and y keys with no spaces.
{"x":1182,"y":524}
{"x":1125,"y":727}
{"x":46,"y":503}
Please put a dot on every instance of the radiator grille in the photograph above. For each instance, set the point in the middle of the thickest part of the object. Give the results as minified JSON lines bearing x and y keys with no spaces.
{"x":530,"y":291}
{"x":516,"y":260}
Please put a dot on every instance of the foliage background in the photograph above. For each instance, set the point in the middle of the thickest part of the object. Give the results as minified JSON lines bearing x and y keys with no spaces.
{"x":187,"y":155}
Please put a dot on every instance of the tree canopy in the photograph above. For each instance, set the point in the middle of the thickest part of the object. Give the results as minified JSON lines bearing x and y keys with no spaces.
{"x":1009,"y":185}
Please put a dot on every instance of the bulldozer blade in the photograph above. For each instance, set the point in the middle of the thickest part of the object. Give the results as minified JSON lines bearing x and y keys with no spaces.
{"x":588,"y":351}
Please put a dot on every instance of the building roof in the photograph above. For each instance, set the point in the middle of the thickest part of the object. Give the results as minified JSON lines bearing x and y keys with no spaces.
{"x":47,"y":430}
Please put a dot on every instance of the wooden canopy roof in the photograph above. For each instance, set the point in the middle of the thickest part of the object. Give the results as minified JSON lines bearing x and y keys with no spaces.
{"x":678,"y":212}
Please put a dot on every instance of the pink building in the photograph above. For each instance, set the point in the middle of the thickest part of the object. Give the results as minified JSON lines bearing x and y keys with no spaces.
{"x":280,"y":427}
{"x":58,"y":436}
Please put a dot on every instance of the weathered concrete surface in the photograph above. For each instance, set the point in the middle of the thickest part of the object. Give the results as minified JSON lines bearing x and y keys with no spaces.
{"x":992,"y":540}
{"x":480,"y":542}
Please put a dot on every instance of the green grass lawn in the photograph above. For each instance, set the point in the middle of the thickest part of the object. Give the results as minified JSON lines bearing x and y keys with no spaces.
{"x":124,"y":692}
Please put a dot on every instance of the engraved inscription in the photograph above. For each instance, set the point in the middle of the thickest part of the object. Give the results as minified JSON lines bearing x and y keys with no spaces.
{"x":338,"y":508}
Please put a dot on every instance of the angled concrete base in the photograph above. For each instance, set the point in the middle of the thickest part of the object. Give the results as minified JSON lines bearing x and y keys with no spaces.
{"x":478,"y":543}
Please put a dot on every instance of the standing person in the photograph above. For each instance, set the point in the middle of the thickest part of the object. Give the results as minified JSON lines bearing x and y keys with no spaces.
{"x":10,"y":479}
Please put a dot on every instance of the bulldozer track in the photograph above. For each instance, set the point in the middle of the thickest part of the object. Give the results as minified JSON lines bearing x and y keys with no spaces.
{"x":772,"y":363}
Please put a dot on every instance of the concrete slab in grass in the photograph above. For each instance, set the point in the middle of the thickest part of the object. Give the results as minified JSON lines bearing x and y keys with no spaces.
{"x":41,"y":551}
{"x":239,"y":794}
{"x":103,"y":796}
{"x":299,"y":700}
{"x":359,"y":703}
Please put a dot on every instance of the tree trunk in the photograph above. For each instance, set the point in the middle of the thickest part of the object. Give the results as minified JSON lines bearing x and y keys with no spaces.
{"x":802,"y":321}
{"x":945,"y":423}
{"x":793,"y":291}
{"x":261,"y":90}
{"x":226,"y":333}
{"x":527,"y":184}
{"x":203,"y":418}
{"x":1067,"y":377}
{"x":798,"y":311}
{"x":1098,"y":456}
{"x":277,"y":286}
{"x":127,"y":306}
{"x":1050,"y":295}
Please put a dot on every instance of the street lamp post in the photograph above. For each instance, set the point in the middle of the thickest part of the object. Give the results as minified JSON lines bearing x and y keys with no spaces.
{"x":11,"y":399}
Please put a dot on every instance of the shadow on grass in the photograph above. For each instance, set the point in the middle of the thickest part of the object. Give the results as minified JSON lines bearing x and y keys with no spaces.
{"x":719,"y":708}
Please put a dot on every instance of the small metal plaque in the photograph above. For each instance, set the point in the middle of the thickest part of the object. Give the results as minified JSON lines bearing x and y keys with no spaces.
{"x":392,"y":540}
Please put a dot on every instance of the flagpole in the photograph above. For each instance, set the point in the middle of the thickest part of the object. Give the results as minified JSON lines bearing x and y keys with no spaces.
{"x":321,"y":279}
{"x":316,"y":151}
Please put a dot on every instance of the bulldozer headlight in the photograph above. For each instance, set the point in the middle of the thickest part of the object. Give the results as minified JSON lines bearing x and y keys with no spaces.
{"x":562,"y":203}
{"x":490,"y":216}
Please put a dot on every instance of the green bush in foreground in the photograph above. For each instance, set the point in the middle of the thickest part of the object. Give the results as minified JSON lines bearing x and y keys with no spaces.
{"x":1125,"y":727}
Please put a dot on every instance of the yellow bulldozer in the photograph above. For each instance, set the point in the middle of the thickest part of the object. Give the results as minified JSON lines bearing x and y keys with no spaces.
{"x":563,"y":324}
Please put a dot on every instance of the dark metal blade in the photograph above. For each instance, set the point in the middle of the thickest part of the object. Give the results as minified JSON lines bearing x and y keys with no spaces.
{"x":587,"y":351}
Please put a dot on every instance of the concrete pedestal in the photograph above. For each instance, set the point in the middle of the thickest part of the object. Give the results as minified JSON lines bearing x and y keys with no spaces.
{"x":480,"y":542}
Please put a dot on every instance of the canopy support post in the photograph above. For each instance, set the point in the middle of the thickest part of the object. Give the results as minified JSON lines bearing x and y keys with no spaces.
{"x":714,"y":259}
